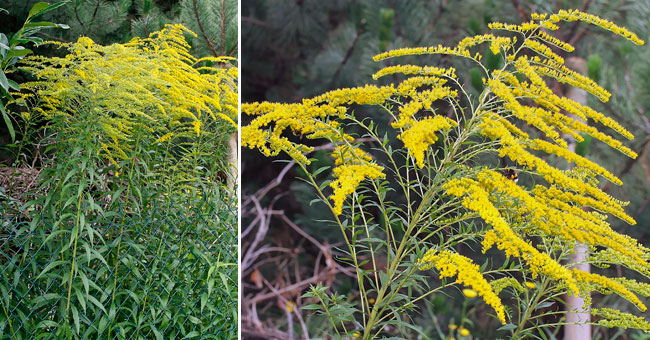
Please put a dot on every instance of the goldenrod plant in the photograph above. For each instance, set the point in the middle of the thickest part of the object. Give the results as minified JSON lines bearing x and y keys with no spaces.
{"x":457,"y":193}
{"x":131,"y":233}
{"x":144,"y":103}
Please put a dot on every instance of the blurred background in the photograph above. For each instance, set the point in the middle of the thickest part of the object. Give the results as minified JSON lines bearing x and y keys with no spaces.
{"x":298,"y":49}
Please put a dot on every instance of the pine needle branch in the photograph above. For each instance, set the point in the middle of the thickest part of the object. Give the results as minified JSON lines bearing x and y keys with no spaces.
{"x":205,"y":36}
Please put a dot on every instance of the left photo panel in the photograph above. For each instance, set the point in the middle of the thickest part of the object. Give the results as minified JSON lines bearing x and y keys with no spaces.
{"x":118,"y":169}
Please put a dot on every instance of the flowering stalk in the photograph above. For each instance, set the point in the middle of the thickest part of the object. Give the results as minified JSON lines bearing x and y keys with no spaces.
{"x":447,"y":187}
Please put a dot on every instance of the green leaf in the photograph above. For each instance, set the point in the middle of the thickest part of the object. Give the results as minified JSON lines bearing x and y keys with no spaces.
{"x":97,"y":303}
{"x":18,"y":52}
{"x":193,"y":319}
{"x":5,"y":42}
{"x":13,"y":85}
{"x":81,"y":298}
{"x":37,"y":8}
{"x":49,"y":267}
{"x":224,"y":280}
{"x":75,"y":318}
{"x":312,"y":307}
{"x":3,"y":81}
{"x":5,"y":116}
{"x":204,"y":301}
{"x":192,"y":334}
{"x":46,"y":324}
{"x":545,"y":304}
{"x":507,"y":327}
{"x":157,"y":333}
{"x":45,"y":24}
{"x":53,"y":7}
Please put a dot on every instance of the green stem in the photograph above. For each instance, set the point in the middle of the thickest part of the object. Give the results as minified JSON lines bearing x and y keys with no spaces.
{"x":529,"y":310}
{"x":74,"y":252}
{"x":116,"y":258}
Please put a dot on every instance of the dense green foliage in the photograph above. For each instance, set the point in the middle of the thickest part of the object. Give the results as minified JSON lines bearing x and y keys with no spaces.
{"x":12,"y":50}
{"x":129,"y":231}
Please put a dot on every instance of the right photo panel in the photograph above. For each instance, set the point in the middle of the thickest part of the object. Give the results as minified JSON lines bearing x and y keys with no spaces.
{"x":445,"y":169}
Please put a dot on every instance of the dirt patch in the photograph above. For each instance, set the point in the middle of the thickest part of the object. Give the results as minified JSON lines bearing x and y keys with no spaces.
{"x":18,"y":184}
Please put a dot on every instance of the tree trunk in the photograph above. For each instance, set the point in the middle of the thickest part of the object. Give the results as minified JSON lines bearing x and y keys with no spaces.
{"x":577,"y":311}
{"x":233,"y":165}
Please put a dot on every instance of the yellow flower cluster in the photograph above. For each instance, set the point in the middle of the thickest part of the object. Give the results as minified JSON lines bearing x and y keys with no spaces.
{"x":565,"y":75}
{"x":147,"y":83}
{"x":551,"y":123}
{"x":608,"y":284}
{"x":496,"y":43}
{"x":367,"y":95}
{"x":413,"y":69}
{"x":423,"y":50}
{"x":518,"y":95}
{"x":542,"y":95}
{"x":421,"y":134}
{"x":616,"y":318}
{"x":164,"y":138}
{"x":549,"y":148}
{"x":641,"y":288}
{"x":451,"y":264}
{"x":573,"y":15}
{"x":500,"y":284}
{"x":476,"y":198}
{"x":501,"y":42}
{"x":421,"y":100}
{"x":473,"y":41}
{"x":544,"y":208}
{"x":609,"y":256}
{"x":554,"y":41}
{"x":346,"y":154}
{"x":348,"y":178}
{"x":315,"y":118}
{"x":409,"y":87}
{"x":530,"y":115}
{"x":506,"y":123}
{"x":543,"y":50}
{"x":523,"y":28}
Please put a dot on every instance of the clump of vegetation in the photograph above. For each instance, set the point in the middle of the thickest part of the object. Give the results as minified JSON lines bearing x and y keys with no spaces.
{"x":131,"y":234}
{"x":456,"y":192}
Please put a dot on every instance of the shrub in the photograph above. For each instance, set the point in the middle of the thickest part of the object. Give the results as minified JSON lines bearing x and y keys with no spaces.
{"x":132,"y":236}
{"x":452,"y":193}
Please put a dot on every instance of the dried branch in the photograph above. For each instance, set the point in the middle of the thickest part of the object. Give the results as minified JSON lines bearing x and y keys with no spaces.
{"x":522,"y":13}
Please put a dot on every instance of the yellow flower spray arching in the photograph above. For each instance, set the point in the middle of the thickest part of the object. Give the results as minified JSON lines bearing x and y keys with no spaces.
{"x":166,"y":90}
{"x":516,"y":116}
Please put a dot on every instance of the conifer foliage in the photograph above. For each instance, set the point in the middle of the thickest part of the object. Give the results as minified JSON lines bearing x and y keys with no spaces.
{"x":109,"y":21}
{"x":215,"y":23}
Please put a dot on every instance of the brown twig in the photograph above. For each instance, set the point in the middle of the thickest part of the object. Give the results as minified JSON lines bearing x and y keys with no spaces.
{"x":255,"y":22}
{"x":573,"y":37}
{"x":296,"y":286}
{"x":248,"y":258}
{"x":348,"y":54}
{"x":205,"y":36}
{"x":522,"y":13}
{"x":441,"y":9}
{"x":265,"y":189}
{"x":223,"y":26}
